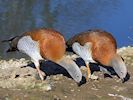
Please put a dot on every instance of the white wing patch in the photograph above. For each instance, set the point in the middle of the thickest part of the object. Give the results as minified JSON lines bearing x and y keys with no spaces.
{"x":29,"y":47}
{"x":83,"y":51}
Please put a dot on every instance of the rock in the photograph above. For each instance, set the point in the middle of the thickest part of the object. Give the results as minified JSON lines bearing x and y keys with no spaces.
{"x":56,"y":97}
{"x":13,"y":76}
{"x":57,"y":77}
{"x":25,"y":83}
{"x":13,"y":63}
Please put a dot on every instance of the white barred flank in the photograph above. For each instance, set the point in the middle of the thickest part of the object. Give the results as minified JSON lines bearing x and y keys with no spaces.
{"x":84,"y":52}
{"x":29,"y":47}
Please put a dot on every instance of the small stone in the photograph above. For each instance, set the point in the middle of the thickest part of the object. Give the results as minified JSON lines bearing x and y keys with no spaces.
{"x":131,"y":64}
{"x":56,"y":98}
{"x":93,"y":77}
{"x":72,"y":90}
{"x":65,"y":96}
{"x":47,"y":87}
{"x":78,"y":90}
{"x":94,"y":89}
{"x":56,"y":78}
{"x":72,"y":84}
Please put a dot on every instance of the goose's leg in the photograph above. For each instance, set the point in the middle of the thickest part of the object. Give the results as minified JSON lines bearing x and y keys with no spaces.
{"x":88,"y":71}
{"x":41,"y":73}
{"x":32,"y":49}
{"x":89,"y":75}
{"x":85,"y":53}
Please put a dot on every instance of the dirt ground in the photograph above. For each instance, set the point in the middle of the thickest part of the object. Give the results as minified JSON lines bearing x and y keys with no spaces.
{"x":22,"y":83}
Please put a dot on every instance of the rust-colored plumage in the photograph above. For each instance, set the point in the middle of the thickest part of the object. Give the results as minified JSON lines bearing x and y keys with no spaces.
{"x":51,"y":43}
{"x":103,"y":44}
{"x":103,"y":49}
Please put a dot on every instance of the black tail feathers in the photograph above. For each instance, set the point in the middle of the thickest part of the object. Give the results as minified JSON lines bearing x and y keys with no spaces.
{"x":12,"y":43}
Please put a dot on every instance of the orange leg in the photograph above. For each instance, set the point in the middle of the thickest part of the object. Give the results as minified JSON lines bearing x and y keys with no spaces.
{"x":88,"y":71}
